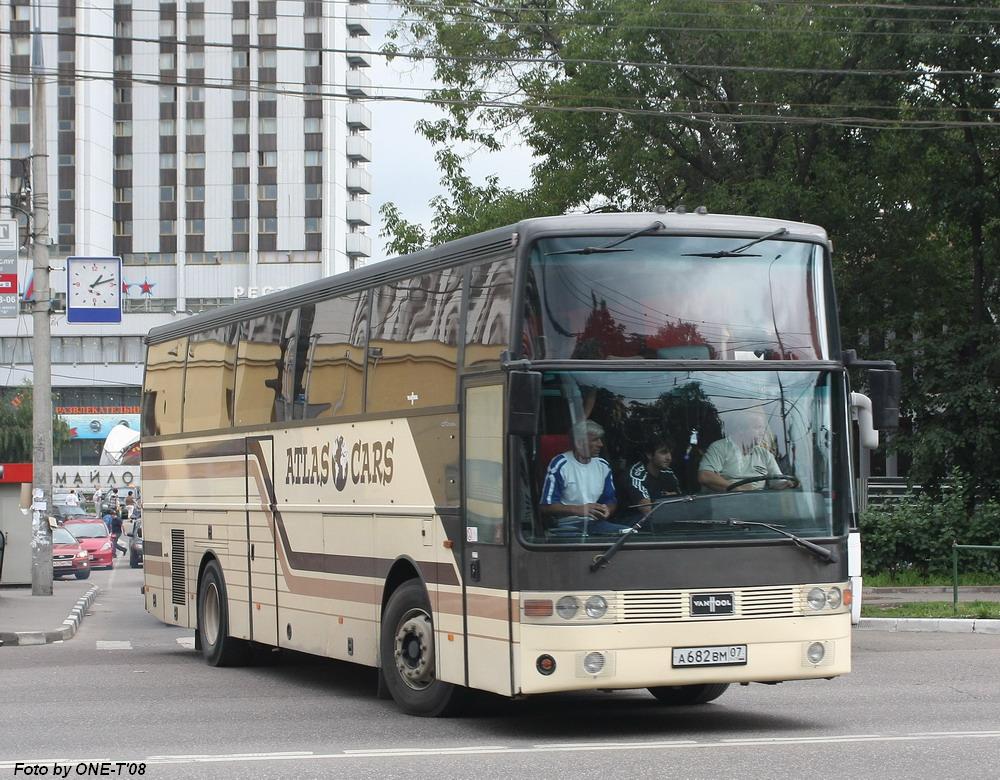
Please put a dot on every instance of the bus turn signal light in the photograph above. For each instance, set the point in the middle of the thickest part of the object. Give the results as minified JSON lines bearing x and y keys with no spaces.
{"x":538,"y":608}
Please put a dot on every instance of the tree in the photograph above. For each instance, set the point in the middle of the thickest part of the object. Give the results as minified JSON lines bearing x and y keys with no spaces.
{"x":878,"y":122}
{"x":16,"y":426}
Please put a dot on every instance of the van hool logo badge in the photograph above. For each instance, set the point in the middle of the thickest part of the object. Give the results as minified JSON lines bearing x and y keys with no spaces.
{"x":712,"y":604}
{"x":361,"y":463}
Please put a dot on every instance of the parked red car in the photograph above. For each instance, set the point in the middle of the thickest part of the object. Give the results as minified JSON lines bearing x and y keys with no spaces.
{"x":93,"y":535}
{"x":69,"y":556}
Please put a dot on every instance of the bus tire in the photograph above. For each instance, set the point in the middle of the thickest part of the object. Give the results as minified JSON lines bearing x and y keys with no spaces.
{"x":680,"y":695}
{"x":217,"y":647}
{"x":406,"y":648}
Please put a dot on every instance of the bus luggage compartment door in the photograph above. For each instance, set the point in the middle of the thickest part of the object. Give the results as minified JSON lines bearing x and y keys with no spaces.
{"x":261,"y":553}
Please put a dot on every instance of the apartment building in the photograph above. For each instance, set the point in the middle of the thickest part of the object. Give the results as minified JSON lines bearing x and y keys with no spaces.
{"x":218,"y":147}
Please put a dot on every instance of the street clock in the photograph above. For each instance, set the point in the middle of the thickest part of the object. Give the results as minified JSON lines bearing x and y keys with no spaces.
{"x":94,"y":289}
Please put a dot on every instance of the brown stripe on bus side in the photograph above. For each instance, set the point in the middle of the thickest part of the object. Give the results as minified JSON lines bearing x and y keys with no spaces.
{"x":208,"y":469}
{"x":185,"y":451}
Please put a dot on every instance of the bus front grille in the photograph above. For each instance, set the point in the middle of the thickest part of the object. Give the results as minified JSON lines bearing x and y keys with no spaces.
{"x":657,"y":606}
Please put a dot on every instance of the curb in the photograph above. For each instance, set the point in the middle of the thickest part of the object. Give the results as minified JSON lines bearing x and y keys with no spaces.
{"x":941,"y":625}
{"x":68,"y":629}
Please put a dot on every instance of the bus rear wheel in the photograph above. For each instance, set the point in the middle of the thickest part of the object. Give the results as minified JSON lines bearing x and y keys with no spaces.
{"x":217,"y":647}
{"x":679,"y":695}
{"x":406,"y":647}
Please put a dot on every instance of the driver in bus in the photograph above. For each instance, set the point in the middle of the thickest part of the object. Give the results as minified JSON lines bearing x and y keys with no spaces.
{"x":578,"y":492}
{"x":745,"y":451}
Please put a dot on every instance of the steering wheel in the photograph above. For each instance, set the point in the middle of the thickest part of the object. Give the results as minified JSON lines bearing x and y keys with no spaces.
{"x":768,"y":478}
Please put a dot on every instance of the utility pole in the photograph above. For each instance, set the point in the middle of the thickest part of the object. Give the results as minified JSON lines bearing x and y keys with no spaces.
{"x":41,"y":538}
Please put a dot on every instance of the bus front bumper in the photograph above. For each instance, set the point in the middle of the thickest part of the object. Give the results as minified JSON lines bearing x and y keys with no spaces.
{"x":641,"y":655}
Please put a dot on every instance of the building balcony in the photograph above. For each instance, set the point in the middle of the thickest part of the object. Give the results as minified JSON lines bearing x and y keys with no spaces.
{"x":358,"y":245}
{"x":359,"y":59}
{"x":359,"y":213}
{"x":359,"y":117}
{"x":357,"y":19}
{"x":359,"y":148}
{"x":359,"y":52}
{"x":358,"y":83}
{"x":359,"y":180}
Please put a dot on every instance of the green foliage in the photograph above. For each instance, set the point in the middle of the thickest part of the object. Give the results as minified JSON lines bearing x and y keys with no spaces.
{"x":915,"y":536}
{"x":843,"y":115}
{"x":16,"y":426}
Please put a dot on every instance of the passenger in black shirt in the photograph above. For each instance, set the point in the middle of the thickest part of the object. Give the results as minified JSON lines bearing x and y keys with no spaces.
{"x":652,"y":480}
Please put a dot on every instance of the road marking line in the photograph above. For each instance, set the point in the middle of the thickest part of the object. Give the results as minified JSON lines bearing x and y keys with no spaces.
{"x":544,"y":748}
{"x":107,"y":644}
{"x":186,"y":642}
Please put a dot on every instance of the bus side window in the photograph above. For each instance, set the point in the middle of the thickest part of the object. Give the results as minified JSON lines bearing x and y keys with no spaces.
{"x":335,"y":368}
{"x":413,"y":348}
{"x":208,"y":380}
{"x":163,"y":393}
{"x":261,"y":392}
{"x":487,"y":329}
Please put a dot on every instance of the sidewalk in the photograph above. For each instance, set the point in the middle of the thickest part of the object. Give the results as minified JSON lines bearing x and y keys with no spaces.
{"x":36,"y":620}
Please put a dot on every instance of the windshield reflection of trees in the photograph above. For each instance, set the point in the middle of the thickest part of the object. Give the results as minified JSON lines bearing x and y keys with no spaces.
{"x":691,"y":412}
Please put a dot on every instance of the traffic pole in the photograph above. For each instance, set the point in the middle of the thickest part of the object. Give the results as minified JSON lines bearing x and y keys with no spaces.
{"x":41,"y":537}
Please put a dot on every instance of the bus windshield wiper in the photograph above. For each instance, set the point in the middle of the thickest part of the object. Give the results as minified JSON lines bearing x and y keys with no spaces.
{"x":738,"y":252}
{"x":820,"y":552}
{"x":607,"y":555}
{"x":609,"y":248}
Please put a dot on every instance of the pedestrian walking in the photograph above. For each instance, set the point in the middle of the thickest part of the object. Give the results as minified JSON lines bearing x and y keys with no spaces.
{"x":72,"y":499}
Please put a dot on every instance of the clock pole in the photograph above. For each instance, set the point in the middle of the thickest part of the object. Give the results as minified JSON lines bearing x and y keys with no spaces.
{"x":41,"y":541}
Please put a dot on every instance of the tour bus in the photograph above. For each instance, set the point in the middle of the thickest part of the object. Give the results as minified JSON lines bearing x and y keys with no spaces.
{"x":439,"y":465}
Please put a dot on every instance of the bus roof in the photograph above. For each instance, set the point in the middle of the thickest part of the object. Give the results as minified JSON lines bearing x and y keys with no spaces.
{"x":485,"y":244}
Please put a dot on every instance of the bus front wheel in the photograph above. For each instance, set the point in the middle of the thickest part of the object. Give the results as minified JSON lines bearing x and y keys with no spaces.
{"x":678,"y":695}
{"x":406,"y":648}
{"x":218,"y":648}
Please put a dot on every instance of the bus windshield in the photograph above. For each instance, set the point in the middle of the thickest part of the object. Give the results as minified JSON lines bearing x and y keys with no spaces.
{"x":688,"y":451}
{"x":655,"y":298}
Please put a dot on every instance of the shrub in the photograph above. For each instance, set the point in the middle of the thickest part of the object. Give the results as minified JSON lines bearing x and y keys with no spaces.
{"x":916,"y":534}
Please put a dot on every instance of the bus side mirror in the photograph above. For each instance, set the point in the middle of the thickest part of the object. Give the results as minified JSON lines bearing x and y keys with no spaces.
{"x":886,"y":388}
{"x":524,"y":400}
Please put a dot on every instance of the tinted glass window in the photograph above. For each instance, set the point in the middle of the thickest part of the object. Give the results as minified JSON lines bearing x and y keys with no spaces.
{"x":333,"y":382}
{"x":675,"y":298}
{"x":208,"y":393}
{"x":414,"y":342}
{"x":265,"y":369}
{"x":487,"y":328}
{"x":163,"y":393}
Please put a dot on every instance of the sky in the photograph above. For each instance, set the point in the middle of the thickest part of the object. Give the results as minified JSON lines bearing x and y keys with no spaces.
{"x":402,"y":167}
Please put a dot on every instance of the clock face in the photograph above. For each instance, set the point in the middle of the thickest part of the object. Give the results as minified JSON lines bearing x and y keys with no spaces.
{"x":95,"y":284}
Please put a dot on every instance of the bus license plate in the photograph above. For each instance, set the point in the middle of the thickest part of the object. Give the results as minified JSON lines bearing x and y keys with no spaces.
{"x":712,"y":655}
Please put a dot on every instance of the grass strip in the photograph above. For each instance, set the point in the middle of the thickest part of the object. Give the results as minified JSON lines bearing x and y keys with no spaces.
{"x":911,"y":579}
{"x":980,"y":610}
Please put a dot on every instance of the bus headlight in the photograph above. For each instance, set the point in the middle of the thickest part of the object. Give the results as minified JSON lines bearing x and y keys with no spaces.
{"x":834,"y":597}
{"x":816,"y":598}
{"x":596,"y":606}
{"x":567,"y":607}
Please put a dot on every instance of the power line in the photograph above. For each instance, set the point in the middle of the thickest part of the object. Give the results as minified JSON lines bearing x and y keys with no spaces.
{"x":867,"y":72}
{"x":700,"y":117}
{"x":565,"y":22}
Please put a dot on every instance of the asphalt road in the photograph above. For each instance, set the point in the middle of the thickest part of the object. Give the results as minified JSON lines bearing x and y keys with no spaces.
{"x":129,"y":689}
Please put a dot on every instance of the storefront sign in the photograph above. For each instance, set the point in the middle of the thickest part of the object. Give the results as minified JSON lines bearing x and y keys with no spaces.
{"x":90,"y":477}
{"x":97,"y":426}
